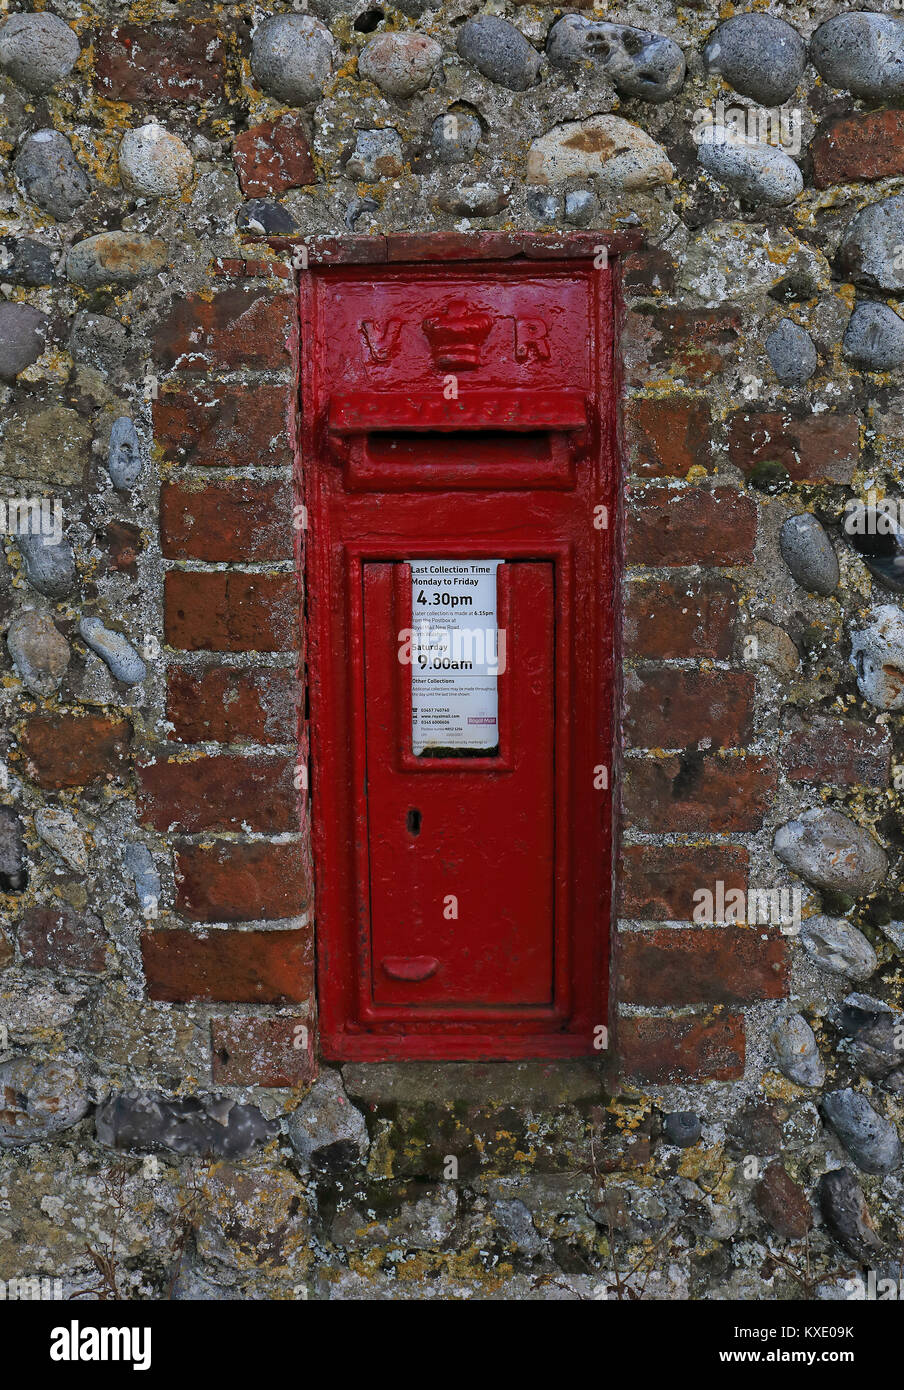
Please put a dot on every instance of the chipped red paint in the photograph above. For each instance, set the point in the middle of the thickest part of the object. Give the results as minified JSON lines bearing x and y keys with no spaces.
{"x":512,"y":469}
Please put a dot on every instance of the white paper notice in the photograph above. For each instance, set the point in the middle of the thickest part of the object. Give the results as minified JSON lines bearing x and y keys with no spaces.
{"x":456,"y":655}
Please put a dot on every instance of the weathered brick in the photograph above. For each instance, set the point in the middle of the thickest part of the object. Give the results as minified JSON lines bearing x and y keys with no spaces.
{"x":64,"y":750}
{"x":658,"y":882}
{"x":241,"y":882}
{"x":272,"y":157}
{"x":262,"y":1051}
{"x":159,"y":62}
{"x":691,"y":526}
{"x":223,"y":792}
{"x":662,"y":1050}
{"x":650,"y":271}
{"x":674,"y":709}
{"x":240,"y":327}
{"x":58,"y":938}
{"x":230,"y":612}
{"x":243,"y":519}
{"x":229,"y":705}
{"x":230,"y":967}
{"x":718,"y":965}
{"x":690,"y":344}
{"x":222,"y":426}
{"x":668,"y":435}
{"x":121,"y":545}
{"x":810,"y":448}
{"x":693,"y":792}
{"x":839,"y":752}
{"x":869,"y":145}
{"x":674,"y":618}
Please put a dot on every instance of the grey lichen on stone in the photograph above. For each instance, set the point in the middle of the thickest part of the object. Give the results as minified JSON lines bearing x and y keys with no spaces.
{"x":870,"y":248}
{"x":620,"y":155}
{"x":292,"y":58}
{"x":39,"y":651}
{"x":23,"y":337}
{"x":124,"y":455}
{"x":874,"y":338}
{"x":48,"y":171}
{"x":499,"y":51}
{"x":40,"y":1099}
{"x":400,"y":64}
{"x":115,"y":258}
{"x":757,"y":172}
{"x":829,"y":850}
{"x":37,"y":50}
{"x":140,"y":864}
{"x":792,"y":353}
{"x":877,"y":655}
{"x":582,"y":207}
{"x":837,"y":945}
{"x":377,"y":155}
{"x":759,"y":55}
{"x":113,"y":648}
{"x":455,"y":136}
{"x":862,"y":53}
{"x":60,"y":830}
{"x":794,"y":1045}
{"x":154,"y":162}
{"x":870,"y":1139}
{"x":326,"y":1130}
{"x":809,"y":554}
{"x":49,"y":568}
{"x":640,"y":63}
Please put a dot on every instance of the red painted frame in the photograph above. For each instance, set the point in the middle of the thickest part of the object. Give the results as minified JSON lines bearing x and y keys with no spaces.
{"x":537,"y":523}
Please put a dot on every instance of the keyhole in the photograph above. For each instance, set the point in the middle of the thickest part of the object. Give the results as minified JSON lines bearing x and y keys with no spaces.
{"x":413,"y":822}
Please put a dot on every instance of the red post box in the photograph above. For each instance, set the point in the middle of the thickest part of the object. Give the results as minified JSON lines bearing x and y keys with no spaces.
{"x":460,"y":477}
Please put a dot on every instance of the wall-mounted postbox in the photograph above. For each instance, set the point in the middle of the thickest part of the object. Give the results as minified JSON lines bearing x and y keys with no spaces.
{"x":460,"y":481}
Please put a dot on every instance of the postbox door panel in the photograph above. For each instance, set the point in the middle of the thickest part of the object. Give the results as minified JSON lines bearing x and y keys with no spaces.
{"x":461,"y":851}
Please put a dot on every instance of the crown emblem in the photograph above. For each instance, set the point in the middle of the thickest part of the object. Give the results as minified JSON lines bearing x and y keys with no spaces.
{"x":456,"y":334}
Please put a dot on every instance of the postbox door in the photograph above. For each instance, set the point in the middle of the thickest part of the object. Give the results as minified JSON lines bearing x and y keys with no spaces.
{"x":461,"y":850}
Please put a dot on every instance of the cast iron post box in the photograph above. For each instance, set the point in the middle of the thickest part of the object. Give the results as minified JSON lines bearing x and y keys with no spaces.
{"x":459,"y":473}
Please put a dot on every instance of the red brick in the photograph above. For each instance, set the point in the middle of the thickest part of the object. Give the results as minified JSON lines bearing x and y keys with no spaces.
{"x":122,"y":545}
{"x":840,"y":753}
{"x":57,"y":938}
{"x":691,"y":526}
{"x":659,"y":882}
{"x":650,"y":271}
{"x":262,"y":1051}
{"x":65,"y":750}
{"x":674,"y":708}
{"x":810,"y":448}
{"x":657,"y":1051}
{"x":272,"y":157}
{"x":243,"y":519}
{"x":718,"y":965}
{"x":160,"y":62}
{"x":221,"y":426}
{"x":690,"y":344}
{"x":230,"y":967}
{"x":223,"y":792}
{"x":226,"y":705}
{"x":691,"y":792}
{"x":230,"y":612}
{"x":667,"y":435}
{"x":693,"y":617}
{"x":869,"y":145}
{"x":241,"y":882}
{"x":240,"y":327}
